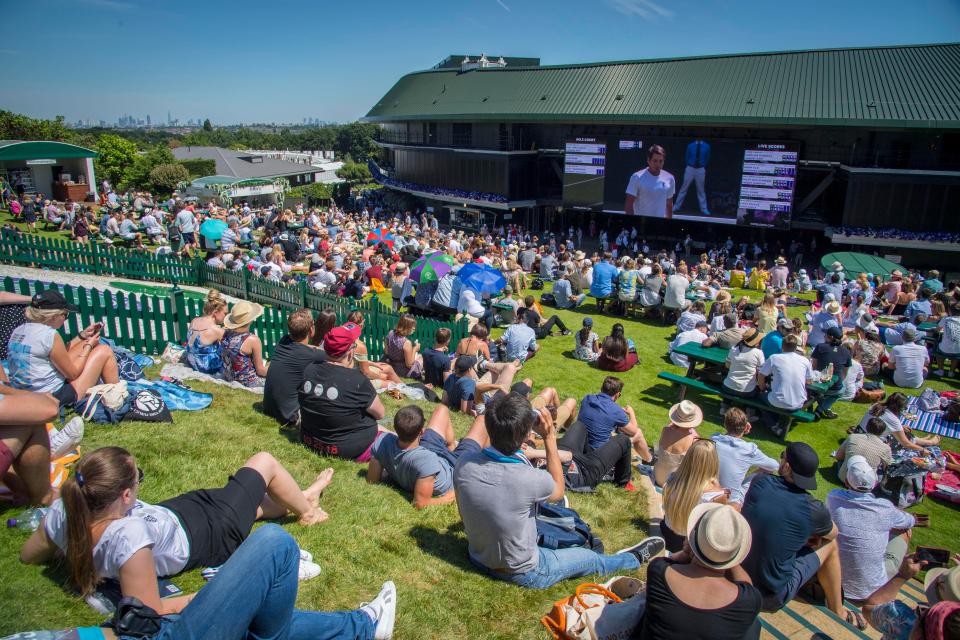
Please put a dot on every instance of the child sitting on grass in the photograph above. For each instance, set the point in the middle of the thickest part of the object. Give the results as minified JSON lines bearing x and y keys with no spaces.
{"x":421,"y":459}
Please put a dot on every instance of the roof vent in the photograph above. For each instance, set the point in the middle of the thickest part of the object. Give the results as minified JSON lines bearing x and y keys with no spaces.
{"x":484,"y":99}
{"x":434,"y":102}
{"x":543,"y":97}
{"x":750,"y":101}
{"x":619,"y":96}
{"x":872,"y":104}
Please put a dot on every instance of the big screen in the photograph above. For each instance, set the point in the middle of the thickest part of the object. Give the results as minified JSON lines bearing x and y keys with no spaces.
{"x":718,"y":181}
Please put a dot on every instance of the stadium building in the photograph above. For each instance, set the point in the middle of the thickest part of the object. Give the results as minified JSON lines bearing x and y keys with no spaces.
{"x":799,"y":141}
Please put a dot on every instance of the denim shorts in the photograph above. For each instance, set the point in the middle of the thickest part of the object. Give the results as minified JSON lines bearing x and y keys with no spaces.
{"x":805,"y":567}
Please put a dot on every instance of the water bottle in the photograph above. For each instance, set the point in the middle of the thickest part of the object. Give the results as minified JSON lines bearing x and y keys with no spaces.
{"x":29,"y":520}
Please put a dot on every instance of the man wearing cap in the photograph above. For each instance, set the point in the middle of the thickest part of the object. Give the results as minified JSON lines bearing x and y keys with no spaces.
{"x":908,"y":362}
{"x":339,"y":407}
{"x":794,"y":538}
{"x":874,"y":536}
{"x":773,"y":341}
{"x":831,"y":352}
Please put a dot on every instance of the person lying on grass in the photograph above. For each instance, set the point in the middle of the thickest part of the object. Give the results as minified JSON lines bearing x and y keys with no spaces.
{"x":105,"y":531}
{"x":420,"y":458}
{"x":24,"y":443}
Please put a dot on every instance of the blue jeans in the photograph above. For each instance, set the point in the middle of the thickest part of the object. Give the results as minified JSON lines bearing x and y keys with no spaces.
{"x":560,"y":564}
{"x":253,"y":595}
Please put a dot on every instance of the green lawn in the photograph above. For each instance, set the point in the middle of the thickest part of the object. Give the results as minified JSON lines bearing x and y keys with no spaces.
{"x":374,"y":534}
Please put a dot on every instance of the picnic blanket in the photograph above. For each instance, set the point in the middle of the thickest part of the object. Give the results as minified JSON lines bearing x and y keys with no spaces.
{"x":930,"y":421}
{"x":183,"y":372}
{"x":946,"y":485}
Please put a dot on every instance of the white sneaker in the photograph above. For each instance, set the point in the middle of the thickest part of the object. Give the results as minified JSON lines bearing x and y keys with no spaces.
{"x":308,"y":570}
{"x":67,"y":438}
{"x":383,"y":611}
{"x":306,"y":556}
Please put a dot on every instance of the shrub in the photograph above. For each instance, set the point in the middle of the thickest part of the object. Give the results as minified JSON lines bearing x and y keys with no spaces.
{"x":166,"y":177}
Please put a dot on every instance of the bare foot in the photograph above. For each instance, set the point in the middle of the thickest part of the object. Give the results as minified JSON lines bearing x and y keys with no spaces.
{"x":315,"y":490}
{"x":314,"y":516}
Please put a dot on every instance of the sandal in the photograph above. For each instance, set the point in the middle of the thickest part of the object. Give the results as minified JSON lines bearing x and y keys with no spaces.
{"x":855,"y":619}
{"x":923,"y":520}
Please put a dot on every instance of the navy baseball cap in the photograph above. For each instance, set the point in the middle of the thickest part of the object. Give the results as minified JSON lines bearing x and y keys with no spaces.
{"x":804,"y":462}
{"x":50,"y":300}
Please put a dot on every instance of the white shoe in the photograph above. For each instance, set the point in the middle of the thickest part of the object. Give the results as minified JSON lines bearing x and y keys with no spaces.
{"x":306,"y":556}
{"x":308,"y":570}
{"x":67,"y":438}
{"x":383,"y":611}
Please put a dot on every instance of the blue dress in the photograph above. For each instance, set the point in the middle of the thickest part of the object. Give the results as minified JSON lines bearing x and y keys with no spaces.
{"x":205,"y":358}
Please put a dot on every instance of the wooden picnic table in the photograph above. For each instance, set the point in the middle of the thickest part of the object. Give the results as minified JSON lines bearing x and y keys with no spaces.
{"x":697,"y":353}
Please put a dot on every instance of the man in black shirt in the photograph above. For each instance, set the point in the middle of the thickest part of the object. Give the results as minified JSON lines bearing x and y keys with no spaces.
{"x":290,"y":358}
{"x":794,"y":538}
{"x":339,"y":407}
{"x":535,"y":322}
{"x":826,"y":353}
{"x":436,"y":361}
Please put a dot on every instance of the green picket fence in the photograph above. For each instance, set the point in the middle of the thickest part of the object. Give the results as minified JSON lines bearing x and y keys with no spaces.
{"x":146,"y":323}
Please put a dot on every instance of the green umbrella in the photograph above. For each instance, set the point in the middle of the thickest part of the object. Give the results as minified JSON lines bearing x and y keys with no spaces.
{"x":431,"y":268}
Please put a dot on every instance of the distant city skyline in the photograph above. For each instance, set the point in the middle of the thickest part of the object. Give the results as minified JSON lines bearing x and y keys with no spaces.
{"x":146,"y":121}
{"x":238,"y":62}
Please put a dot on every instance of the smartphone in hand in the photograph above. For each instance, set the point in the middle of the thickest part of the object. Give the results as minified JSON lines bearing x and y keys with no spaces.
{"x":933,"y":556}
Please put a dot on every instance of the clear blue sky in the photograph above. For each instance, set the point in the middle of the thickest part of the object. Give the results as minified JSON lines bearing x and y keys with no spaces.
{"x":246,"y":61}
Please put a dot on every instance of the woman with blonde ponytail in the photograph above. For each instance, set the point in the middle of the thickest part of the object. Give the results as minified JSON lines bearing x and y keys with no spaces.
{"x":204,"y":334}
{"x":694,"y":482}
{"x":105,"y":531}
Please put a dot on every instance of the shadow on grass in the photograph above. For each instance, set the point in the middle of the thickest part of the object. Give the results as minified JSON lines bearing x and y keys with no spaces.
{"x":449,"y":546}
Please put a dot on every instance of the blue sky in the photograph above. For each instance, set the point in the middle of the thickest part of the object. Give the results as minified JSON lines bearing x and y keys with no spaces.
{"x":281,"y":61}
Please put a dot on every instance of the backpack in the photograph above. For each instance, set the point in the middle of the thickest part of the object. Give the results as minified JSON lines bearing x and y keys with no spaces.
{"x":902,"y":490}
{"x":537,"y":284}
{"x":561,"y":527}
{"x":548,"y":299}
{"x":929,"y":400}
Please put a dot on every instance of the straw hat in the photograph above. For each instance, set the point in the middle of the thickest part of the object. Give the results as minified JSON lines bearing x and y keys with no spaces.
{"x":719,"y":536}
{"x":942,"y":584}
{"x":781,"y":260}
{"x":832,"y":307}
{"x":686,"y":415}
{"x":579,"y":255}
{"x":242,"y":314}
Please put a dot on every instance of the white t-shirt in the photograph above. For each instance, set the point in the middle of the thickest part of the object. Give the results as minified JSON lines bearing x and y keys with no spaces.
{"x":693,"y":335}
{"x":186,"y":221}
{"x":791,"y":372}
{"x":910,"y":359}
{"x":651,"y":192}
{"x":146,"y":525}
{"x":949,"y":335}
{"x":853,"y":381}
{"x":743,"y":364}
{"x":675,"y":296}
{"x":893,"y":422}
{"x":29,"y":358}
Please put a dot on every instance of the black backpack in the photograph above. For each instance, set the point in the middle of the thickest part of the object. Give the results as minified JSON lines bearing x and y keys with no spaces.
{"x":537,"y":284}
{"x":548,"y":299}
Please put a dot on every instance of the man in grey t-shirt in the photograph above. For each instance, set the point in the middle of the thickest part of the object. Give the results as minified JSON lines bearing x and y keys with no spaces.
{"x":420,"y":460}
{"x":498,"y":492}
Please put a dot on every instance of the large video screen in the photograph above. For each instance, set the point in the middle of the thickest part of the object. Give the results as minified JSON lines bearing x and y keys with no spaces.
{"x":718,"y":181}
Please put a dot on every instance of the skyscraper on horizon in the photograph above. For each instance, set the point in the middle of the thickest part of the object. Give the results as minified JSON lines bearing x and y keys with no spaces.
{"x":169,"y":119}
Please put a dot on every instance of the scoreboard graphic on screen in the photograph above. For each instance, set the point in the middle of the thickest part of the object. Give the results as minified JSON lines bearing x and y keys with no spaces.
{"x":584,"y":168}
{"x":767,"y":185}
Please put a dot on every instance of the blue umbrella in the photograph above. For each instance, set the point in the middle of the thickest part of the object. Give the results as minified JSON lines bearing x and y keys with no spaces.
{"x":213,"y":228}
{"x":482,"y":278}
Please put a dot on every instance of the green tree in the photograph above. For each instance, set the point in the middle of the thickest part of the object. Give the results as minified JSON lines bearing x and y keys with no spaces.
{"x":207,"y":126}
{"x":15,"y":126}
{"x":116,"y":157}
{"x":354,"y":172}
{"x":165,"y":177}
{"x":137,"y":174}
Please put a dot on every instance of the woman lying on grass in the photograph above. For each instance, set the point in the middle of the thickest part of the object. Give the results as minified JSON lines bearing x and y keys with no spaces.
{"x":106,"y":532}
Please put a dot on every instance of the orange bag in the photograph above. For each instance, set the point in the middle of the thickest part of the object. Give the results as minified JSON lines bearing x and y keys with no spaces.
{"x":578,"y":617}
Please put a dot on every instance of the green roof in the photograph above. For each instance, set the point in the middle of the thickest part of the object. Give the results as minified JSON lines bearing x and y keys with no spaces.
{"x":914,"y":86}
{"x":34,"y":150}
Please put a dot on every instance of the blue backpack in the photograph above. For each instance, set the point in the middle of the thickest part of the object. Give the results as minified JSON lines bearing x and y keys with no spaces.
{"x":561,"y":527}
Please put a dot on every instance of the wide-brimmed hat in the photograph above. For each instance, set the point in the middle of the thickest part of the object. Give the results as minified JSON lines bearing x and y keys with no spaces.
{"x":242,"y":314}
{"x":579,"y":255}
{"x":719,"y":536}
{"x":896,"y":274}
{"x":781,"y":260}
{"x":752,"y":337}
{"x":837,"y":266}
{"x":686,"y":415}
{"x":832,"y":307}
{"x":942,"y":584}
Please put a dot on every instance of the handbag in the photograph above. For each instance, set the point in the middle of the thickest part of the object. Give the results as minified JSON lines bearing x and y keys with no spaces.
{"x":929,"y":400}
{"x":608,"y":611}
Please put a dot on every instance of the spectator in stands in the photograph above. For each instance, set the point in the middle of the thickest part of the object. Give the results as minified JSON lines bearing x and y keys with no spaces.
{"x":563,"y":292}
{"x":791,"y":372}
{"x":548,"y":265}
{"x":436,"y":360}
{"x":616,"y":352}
{"x":918,"y":307}
{"x":339,"y":407}
{"x":873,"y":535}
{"x":694,"y":482}
{"x":675,"y":295}
{"x":586,"y":343}
{"x":542,"y":328}
{"x":737,"y":456}
{"x":40,"y":361}
{"x":794,"y":538}
{"x":831,"y":355}
{"x":650,"y":295}
{"x":743,"y":366}
{"x":105,"y":531}
{"x":703,"y":591}
{"x":676,"y":439}
{"x":767,"y":314}
{"x":420,"y":458}
{"x":828,"y":316}
{"x":231,"y":236}
{"x":695,"y":313}
{"x":402,"y":353}
{"x":519,"y":340}
{"x":497,"y":494}
{"x":514,"y":276}
{"x":603,"y":280}
{"x":729,"y":336}
{"x":779,"y":274}
{"x":292,"y":355}
{"x":696,"y":335}
{"x":242,"y":349}
{"x":204,"y":334}
{"x":866,"y":347}
{"x":869,"y":444}
{"x":603,"y":418}
{"x":397,"y":285}
{"x":24,"y":442}
{"x":128,"y":230}
{"x":891,"y":411}
{"x":907,"y":366}
{"x":447,"y":295}
{"x":154,"y":230}
{"x":949,"y":345}
{"x":628,"y":282}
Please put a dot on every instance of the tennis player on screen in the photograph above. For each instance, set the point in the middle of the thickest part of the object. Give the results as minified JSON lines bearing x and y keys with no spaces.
{"x":650,"y":191}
